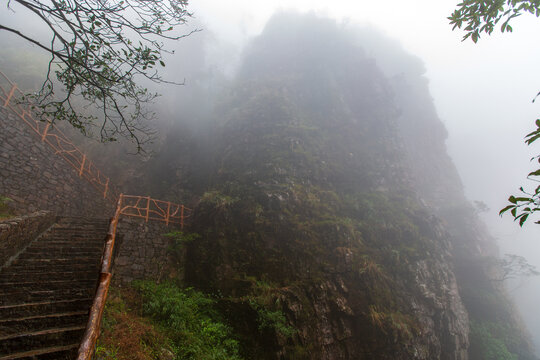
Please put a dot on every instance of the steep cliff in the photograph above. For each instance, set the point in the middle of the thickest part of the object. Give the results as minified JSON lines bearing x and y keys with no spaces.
{"x":334,"y":222}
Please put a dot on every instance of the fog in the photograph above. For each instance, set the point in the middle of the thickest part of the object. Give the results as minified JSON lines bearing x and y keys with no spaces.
{"x":482,"y":92}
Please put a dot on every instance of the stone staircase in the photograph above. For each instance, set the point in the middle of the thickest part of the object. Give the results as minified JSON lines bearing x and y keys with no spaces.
{"x":46,"y":293}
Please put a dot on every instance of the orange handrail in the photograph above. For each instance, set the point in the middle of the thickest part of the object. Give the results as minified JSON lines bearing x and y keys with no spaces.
{"x":151,"y":209}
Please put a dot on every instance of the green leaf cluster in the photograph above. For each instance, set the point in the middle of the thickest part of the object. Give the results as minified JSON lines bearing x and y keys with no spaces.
{"x":5,"y":209}
{"x":191,"y":320}
{"x":482,"y":16}
{"x":528,"y":203}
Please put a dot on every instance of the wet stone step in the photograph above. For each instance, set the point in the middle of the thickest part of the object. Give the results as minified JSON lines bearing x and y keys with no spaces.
{"x":39,"y":339}
{"x":47,"y":284}
{"x":44,"y":307}
{"x":65,"y":245}
{"x":56,"y":261}
{"x":61,"y":255}
{"x":21,"y":325}
{"x":55,"y":268}
{"x":65,"y":352}
{"x":12,"y":298}
{"x":11,"y":275}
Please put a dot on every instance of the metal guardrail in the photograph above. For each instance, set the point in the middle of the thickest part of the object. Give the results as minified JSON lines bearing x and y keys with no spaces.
{"x":56,"y":139}
{"x":152,"y":209}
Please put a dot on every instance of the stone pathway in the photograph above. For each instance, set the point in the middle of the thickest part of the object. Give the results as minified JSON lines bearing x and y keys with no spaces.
{"x":46,"y":293}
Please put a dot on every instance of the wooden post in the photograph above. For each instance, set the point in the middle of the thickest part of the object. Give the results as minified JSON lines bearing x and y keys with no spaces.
{"x":168,"y":213}
{"x":11,"y":92}
{"x":82,"y":165}
{"x":182,"y":217}
{"x":106,"y":188}
{"x":44,"y":135}
{"x":147,"y":207}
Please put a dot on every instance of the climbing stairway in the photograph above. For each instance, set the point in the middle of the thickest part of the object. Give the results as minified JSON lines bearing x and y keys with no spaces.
{"x":46,"y":293}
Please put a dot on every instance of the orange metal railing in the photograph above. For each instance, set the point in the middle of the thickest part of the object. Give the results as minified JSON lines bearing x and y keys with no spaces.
{"x":56,"y":139}
{"x":152,"y":209}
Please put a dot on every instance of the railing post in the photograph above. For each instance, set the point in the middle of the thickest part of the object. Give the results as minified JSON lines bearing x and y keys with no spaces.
{"x":11,"y":92}
{"x":182,"y":217}
{"x":44,"y":135}
{"x":147,"y":207}
{"x":168,"y":212}
{"x":82,"y":165}
{"x":107,"y":188}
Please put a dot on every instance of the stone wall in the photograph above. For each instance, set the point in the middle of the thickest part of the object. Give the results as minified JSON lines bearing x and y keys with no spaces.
{"x":37,"y":179}
{"x":18,"y":232}
{"x":142,"y":250}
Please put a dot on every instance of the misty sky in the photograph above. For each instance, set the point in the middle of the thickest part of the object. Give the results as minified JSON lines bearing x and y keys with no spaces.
{"x":482,"y":92}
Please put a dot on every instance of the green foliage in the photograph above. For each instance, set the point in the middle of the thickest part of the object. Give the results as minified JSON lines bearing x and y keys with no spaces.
{"x":487,"y":344}
{"x":218,"y":200}
{"x":180,"y":239}
{"x":528,"y":203}
{"x":271,"y":319}
{"x":5,"y":210}
{"x":97,"y":52}
{"x":106,"y":353}
{"x":481,"y":16}
{"x":190,"y":319}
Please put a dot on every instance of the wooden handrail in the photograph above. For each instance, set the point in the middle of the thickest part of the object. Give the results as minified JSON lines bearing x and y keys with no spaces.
{"x":91,"y":334}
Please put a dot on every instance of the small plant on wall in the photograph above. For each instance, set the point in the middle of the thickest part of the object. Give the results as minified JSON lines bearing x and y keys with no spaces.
{"x":5,"y":210}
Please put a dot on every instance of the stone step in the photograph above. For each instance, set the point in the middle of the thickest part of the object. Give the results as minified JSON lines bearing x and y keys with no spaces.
{"x":66,"y":352}
{"x":21,"y":325}
{"x":76,"y":239}
{"x":46,"y":293}
{"x":44,"y":307}
{"x":47,"y":284}
{"x":25,"y":296}
{"x":11,"y":276}
{"x":34,"y":340}
{"x":30,"y":262}
{"x":54,"y":268}
{"x":60,"y":253}
{"x":80,"y":219}
{"x":64,"y":245}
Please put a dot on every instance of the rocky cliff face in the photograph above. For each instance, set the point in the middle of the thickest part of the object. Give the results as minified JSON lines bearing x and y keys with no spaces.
{"x":313,"y":229}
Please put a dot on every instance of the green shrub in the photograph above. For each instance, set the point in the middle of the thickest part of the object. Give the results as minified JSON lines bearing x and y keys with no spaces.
{"x":487,"y":344}
{"x":190,"y":320}
{"x":271,"y":319}
{"x":5,"y":210}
